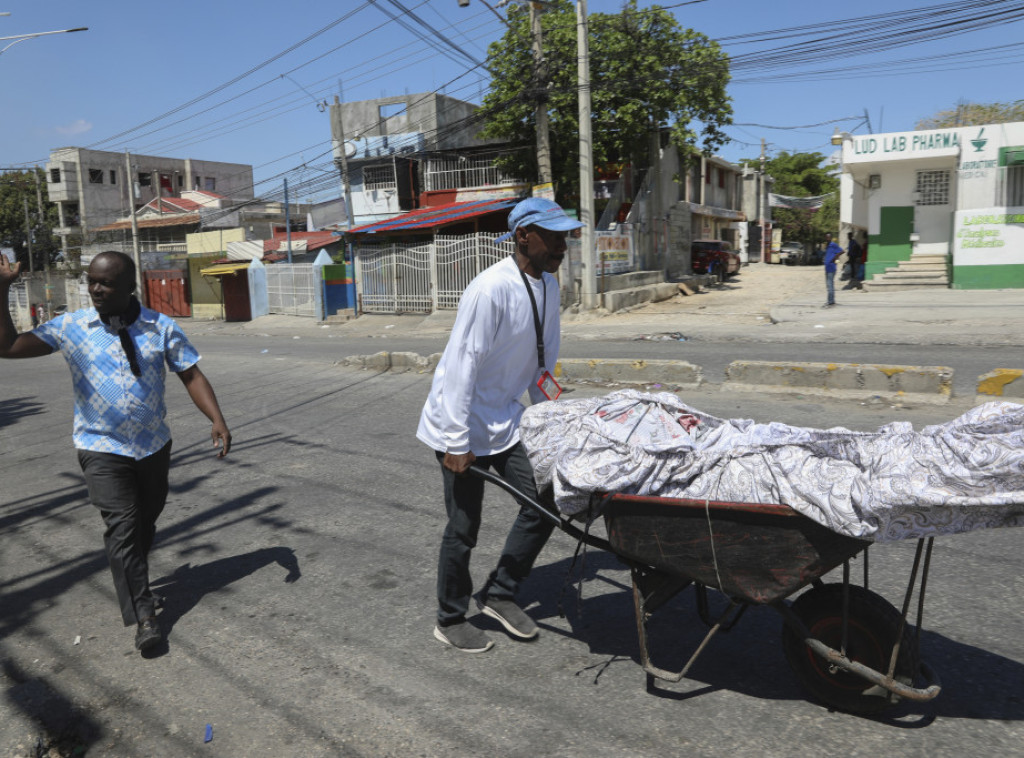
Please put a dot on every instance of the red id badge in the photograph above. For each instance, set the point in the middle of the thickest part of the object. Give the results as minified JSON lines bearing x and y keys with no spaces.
{"x":549,"y":386}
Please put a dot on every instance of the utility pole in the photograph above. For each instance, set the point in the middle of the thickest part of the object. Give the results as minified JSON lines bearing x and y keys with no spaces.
{"x":589,"y":283}
{"x":46,"y":256}
{"x":287,"y":220}
{"x":28,"y":236}
{"x":761,"y":200}
{"x":540,"y":83}
{"x":136,"y":256}
{"x":346,"y":187}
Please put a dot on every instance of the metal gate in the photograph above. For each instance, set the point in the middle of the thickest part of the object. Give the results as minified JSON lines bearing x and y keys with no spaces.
{"x":167,"y":292}
{"x":292,"y":289}
{"x":410,"y":278}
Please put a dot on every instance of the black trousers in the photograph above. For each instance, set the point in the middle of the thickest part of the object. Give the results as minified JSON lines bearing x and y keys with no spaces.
{"x":130,"y":496}
{"x":463,"y":500}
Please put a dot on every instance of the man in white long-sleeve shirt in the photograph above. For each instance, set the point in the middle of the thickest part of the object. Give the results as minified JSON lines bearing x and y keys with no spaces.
{"x":505,"y":342}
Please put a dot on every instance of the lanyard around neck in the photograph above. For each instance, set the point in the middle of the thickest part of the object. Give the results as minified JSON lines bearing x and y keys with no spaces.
{"x":538,"y":323}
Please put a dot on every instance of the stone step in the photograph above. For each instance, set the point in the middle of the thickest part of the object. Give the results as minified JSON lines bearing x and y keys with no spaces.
{"x":898,"y":274}
{"x":906,"y":284}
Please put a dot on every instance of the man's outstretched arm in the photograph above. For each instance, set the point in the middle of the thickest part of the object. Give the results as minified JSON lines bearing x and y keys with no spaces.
{"x":201,"y":392}
{"x":12,"y":344}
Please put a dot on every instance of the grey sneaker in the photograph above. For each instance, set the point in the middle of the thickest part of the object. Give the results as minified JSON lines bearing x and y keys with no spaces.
{"x":465,"y":637}
{"x":510,"y":616}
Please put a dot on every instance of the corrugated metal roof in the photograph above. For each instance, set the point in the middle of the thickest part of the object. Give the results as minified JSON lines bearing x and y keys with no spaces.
{"x":441,"y":215}
{"x":184,"y":219}
{"x":220,"y":269}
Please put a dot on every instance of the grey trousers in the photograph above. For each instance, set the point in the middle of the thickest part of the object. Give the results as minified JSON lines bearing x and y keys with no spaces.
{"x":463,"y":500}
{"x":130,"y":496}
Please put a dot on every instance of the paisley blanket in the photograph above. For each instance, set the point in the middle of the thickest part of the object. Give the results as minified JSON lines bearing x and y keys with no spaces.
{"x":890,"y":484}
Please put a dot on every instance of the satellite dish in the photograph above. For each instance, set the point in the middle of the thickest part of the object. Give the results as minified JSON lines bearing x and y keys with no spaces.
{"x":350,"y":149}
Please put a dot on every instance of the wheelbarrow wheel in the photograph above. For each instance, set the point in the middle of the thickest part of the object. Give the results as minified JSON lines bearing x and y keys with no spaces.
{"x":873,"y":625}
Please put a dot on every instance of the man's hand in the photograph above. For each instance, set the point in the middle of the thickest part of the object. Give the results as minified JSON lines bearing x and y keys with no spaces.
{"x":458,"y":463}
{"x":221,"y":438}
{"x":8,"y":273}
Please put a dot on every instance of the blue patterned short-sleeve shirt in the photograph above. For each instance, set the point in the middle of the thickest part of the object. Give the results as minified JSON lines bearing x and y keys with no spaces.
{"x":116,"y":411}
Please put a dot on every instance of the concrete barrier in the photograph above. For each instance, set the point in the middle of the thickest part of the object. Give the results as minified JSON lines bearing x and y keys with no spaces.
{"x":397,"y":362}
{"x":1001,"y":384}
{"x":614,"y":371}
{"x":921,"y":384}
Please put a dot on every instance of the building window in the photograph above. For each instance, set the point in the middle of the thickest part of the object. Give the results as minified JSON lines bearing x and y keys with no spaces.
{"x":210,"y":185}
{"x":181,"y":181}
{"x":197,"y":182}
{"x":113,"y":176}
{"x":54,"y":176}
{"x":932,"y":187}
{"x":145,"y":179}
{"x":95,"y":176}
{"x":721,"y":178}
{"x":379,"y":177}
{"x":707,"y":176}
{"x":1015,"y":186}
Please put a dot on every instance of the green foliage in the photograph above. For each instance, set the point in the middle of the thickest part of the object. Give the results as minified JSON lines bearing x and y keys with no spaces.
{"x":645,"y":71}
{"x":803,"y":175}
{"x":974,"y":114}
{"x":17,"y":188}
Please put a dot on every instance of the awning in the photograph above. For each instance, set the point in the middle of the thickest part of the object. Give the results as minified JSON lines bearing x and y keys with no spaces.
{"x":221,"y":269}
{"x":441,"y":215}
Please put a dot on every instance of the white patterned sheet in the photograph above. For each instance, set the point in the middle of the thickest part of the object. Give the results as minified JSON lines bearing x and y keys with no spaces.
{"x":891,"y":484}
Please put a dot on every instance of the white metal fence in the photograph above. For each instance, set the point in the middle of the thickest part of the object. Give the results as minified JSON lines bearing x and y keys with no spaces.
{"x":420,"y":278}
{"x":293,"y":289}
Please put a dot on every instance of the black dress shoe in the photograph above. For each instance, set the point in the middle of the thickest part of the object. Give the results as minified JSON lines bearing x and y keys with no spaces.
{"x":148,"y":634}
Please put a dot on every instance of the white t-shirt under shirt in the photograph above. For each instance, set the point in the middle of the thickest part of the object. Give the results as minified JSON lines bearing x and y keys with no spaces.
{"x":490,"y":360}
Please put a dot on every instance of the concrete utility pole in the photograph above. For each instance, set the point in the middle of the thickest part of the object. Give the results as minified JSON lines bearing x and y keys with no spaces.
{"x":589,"y":294}
{"x":28,"y":236}
{"x":46,"y":258}
{"x":540,"y":83}
{"x":136,"y":256}
{"x":346,"y":187}
{"x":761,"y":200}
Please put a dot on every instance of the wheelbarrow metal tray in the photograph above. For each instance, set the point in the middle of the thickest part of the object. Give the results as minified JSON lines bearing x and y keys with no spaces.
{"x":753,"y":552}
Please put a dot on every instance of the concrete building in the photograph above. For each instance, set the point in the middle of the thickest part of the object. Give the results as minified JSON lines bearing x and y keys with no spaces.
{"x":941,"y":207}
{"x":412,"y":151}
{"x":91,"y":188}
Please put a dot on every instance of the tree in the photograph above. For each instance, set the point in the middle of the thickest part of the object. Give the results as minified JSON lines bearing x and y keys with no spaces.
{"x":646,"y":71}
{"x":17,"y":189}
{"x":974,"y":114}
{"x":803,"y":175}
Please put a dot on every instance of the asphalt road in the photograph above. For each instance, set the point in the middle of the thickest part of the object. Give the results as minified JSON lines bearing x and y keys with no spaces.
{"x":299,"y":576}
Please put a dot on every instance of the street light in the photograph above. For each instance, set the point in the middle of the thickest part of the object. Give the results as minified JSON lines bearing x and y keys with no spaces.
{"x":22,"y":37}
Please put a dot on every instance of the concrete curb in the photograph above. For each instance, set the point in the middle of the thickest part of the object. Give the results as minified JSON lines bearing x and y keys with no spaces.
{"x":620,"y":371}
{"x":1001,"y":384}
{"x":921,"y":384}
{"x":397,"y":362}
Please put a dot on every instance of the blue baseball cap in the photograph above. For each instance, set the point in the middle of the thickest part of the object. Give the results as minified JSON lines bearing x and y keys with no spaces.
{"x":539,"y":211}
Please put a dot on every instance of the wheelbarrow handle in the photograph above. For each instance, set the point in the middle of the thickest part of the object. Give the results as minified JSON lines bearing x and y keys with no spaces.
{"x":546,"y":513}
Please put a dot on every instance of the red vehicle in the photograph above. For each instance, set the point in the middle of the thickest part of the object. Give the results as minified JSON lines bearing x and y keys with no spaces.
{"x":714,"y":257}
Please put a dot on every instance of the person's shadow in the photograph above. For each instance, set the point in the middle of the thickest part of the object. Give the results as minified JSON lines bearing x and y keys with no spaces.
{"x":182,"y":590}
{"x":976,"y":683}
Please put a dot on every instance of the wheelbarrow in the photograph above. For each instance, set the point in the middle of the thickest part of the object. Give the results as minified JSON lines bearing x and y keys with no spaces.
{"x":848,"y":646}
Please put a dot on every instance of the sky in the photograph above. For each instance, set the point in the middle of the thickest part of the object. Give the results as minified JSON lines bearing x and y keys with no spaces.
{"x":246,"y":82}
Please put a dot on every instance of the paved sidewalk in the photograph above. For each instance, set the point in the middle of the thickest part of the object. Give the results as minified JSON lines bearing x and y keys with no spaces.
{"x":920,"y":317}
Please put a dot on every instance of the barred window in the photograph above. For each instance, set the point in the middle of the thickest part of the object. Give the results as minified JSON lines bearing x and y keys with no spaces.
{"x":932,"y":187}
{"x":379,"y":177}
{"x":95,"y":176}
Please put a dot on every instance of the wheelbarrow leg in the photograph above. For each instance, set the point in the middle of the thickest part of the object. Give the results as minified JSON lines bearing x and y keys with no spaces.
{"x":651,"y":590}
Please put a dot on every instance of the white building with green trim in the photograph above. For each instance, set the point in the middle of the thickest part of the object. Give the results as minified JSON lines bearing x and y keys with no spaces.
{"x":957,"y":193}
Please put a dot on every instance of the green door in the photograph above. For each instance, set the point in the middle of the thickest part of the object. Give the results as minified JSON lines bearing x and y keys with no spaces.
{"x":892,"y":244}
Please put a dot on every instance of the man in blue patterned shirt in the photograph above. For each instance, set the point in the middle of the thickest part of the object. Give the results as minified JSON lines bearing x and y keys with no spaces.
{"x":118,"y":353}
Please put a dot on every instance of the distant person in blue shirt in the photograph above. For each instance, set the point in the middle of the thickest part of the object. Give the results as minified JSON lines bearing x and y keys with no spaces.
{"x":832,"y":252}
{"x":118,"y":353}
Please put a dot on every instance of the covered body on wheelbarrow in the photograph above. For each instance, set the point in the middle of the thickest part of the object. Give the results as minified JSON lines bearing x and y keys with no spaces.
{"x":759,"y":512}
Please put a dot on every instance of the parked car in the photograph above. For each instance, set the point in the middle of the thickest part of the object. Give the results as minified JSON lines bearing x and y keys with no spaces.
{"x":792,"y":254}
{"x":714,"y":257}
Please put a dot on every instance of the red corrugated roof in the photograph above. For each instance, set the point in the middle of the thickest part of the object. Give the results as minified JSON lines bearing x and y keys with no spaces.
{"x":184,"y":219}
{"x":438,"y":216}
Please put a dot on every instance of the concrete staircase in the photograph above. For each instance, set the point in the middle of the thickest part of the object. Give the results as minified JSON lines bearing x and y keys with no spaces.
{"x":922,"y":271}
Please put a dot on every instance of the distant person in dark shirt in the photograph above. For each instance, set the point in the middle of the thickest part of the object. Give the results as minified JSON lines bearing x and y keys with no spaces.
{"x":832,"y":252}
{"x":855,"y":257}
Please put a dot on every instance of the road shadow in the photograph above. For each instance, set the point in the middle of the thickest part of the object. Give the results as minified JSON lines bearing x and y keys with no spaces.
{"x":63,"y":728}
{"x":597,"y":602}
{"x":14,"y":410}
{"x":187,"y":585}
